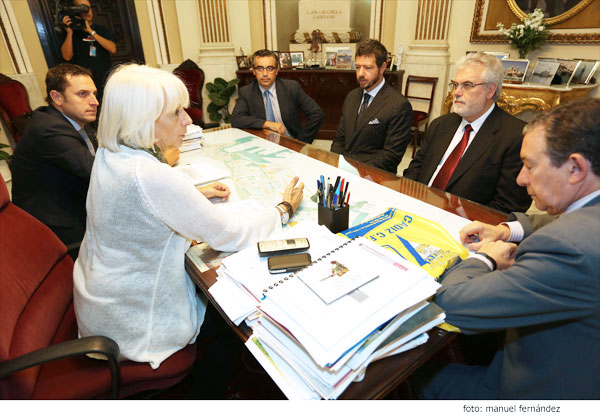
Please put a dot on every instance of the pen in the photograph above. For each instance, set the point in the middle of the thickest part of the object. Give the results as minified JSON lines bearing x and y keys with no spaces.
{"x":337,"y":182}
{"x":345,"y":192}
{"x":348,"y":199}
{"x":319,"y":193}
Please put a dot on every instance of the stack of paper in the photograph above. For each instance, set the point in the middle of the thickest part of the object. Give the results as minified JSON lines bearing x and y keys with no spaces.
{"x":316,"y":331}
{"x":192,"y":139}
{"x":204,"y":170}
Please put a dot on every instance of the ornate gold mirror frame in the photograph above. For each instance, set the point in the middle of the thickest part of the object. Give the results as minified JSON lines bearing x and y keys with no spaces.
{"x":479,"y":33}
{"x":516,"y":9}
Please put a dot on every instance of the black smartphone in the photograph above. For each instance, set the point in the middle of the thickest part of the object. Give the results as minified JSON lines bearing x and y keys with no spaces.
{"x":288,"y":263}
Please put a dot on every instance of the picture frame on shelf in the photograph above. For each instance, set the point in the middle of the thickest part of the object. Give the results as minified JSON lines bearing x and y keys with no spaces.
{"x":515,"y":70}
{"x":285,"y":60}
{"x":390,"y":61}
{"x":544,"y":72}
{"x":330,"y":57}
{"x":344,"y":59}
{"x":242,"y":62}
{"x":297,"y":58}
{"x":585,"y":71}
{"x":566,"y":70}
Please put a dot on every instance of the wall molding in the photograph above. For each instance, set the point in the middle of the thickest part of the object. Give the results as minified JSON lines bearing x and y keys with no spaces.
{"x":13,"y":39}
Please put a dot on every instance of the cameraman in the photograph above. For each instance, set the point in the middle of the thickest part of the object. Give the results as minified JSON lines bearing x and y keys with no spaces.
{"x":87,"y":44}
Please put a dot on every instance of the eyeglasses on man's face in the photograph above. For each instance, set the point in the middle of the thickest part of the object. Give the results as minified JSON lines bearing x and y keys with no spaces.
{"x":466,"y":86}
{"x":262,"y":69}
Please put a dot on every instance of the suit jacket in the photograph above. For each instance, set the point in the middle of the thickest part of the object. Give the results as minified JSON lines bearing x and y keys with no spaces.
{"x":487,"y":172}
{"x":249,"y":110}
{"x":378,"y":136}
{"x":549,"y":304}
{"x":51,"y":170}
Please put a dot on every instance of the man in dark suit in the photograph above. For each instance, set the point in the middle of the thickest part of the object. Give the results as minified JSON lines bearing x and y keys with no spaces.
{"x":482,"y":164}
{"x":376,"y":118}
{"x":545,"y":292}
{"x":275,"y":104}
{"x":53,"y":160}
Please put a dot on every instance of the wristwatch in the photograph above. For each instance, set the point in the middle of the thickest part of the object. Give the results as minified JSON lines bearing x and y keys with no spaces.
{"x":93,"y":33}
{"x":285,"y":210}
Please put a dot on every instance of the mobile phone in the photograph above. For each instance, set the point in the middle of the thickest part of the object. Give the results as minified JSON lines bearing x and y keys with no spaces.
{"x":282,"y":246}
{"x":288,"y":263}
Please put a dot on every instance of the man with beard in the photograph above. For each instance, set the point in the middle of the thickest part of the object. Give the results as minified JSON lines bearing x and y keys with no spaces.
{"x":376,"y":118}
{"x":474,"y":152}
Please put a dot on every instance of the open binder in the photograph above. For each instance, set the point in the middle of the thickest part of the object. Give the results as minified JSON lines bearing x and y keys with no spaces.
{"x":336,"y":273}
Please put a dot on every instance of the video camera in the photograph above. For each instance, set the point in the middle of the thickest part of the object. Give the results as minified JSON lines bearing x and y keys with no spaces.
{"x":66,"y":8}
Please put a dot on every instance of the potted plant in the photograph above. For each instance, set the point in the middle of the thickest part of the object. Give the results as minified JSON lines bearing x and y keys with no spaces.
{"x":527,"y":36}
{"x":219,"y":94}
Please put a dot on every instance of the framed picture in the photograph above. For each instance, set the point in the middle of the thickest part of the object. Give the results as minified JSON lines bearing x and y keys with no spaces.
{"x":242,"y":62}
{"x":390,"y":61}
{"x":285,"y":60}
{"x":566,"y":70}
{"x":344,"y":59}
{"x":544,"y":72}
{"x":575,"y":22}
{"x":330,"y":59}
{"x":584,"y":74}
{"x":515,"y":70}
{"x":297,"y":58}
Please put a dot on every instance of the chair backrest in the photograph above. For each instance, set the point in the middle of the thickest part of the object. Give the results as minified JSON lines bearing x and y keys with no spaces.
{"x":14,"y":106}
{"x":36,"y":290}
{"x":193,"y":78}
{"x":429,"y":82}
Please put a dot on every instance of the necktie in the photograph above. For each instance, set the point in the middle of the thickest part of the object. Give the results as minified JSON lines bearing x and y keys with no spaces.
{"x":269,"y":107}
{"x":365,"y":103}
{"x":441,"y":180}
{"x":87,"y":140}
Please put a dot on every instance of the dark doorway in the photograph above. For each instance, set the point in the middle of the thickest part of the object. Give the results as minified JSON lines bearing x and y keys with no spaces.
{"x":118,"y":16}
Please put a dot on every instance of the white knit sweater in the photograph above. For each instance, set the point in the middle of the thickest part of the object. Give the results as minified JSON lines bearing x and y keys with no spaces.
{"x":129,"y":279}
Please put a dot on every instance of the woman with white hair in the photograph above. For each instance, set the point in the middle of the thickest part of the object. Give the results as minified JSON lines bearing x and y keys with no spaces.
{"x":129,"y":280}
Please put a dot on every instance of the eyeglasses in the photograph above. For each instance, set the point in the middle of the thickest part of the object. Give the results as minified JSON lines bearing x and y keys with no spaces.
{"x":453,"y":85}
{"x":261,"y":69}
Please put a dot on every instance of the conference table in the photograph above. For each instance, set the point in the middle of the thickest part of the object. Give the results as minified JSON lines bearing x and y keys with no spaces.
{"x":386,"y":374}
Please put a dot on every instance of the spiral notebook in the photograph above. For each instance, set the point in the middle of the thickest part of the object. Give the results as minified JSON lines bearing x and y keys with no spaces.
{"x":357,"y":306}
{"x":338,"y":272}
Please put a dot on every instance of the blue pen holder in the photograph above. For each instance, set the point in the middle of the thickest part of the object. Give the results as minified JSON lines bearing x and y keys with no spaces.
{"x":335,"y":220}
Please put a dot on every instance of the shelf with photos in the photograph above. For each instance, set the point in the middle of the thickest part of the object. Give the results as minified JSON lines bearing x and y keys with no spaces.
{"x":559,"y":73}
{"x":551,"y":72}
{"x":542,"y":86}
